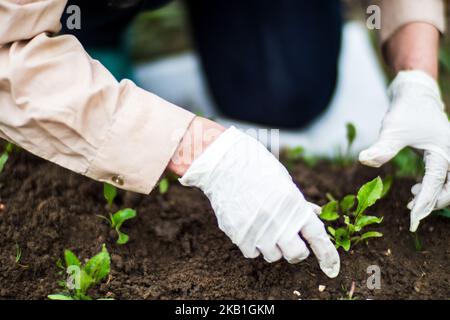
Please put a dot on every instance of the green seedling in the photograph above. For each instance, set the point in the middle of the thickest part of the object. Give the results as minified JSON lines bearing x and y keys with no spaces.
{"x":351,"y":211}
{"x":164,"y":185}
{"x":117,"y":219}
{"x":166,"y":181}
{"x":408,"y":163}
{"x":82,"y":277}
{"x":18,"y":254}
{"x":5,"y":156}
{"x":345,"y":158}
{"x":110,"y":193}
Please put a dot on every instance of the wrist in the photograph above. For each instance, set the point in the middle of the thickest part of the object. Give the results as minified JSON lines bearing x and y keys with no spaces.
{"x":414,"y":46}
{"x":199,"y":136}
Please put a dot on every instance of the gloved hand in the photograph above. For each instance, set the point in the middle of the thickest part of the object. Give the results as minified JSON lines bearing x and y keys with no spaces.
{"x":416,"y":118}
{"x":257,"y":204}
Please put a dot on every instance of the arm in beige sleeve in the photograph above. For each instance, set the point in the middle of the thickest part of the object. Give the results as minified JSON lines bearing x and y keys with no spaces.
{"x":58,"y":103}
{"x":410,"y":32}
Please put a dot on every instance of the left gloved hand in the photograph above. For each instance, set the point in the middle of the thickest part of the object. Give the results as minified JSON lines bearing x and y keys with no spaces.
{"x":416,"y":118}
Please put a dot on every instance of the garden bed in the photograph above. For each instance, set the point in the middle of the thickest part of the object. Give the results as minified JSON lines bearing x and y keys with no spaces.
{"x":176,"y":250}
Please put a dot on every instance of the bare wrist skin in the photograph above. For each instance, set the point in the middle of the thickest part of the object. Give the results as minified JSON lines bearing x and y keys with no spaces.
{"x":414,"y":46}
{"x":200,"y":134}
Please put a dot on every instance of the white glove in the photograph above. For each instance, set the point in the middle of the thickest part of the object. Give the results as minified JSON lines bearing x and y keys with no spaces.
{"x":416,"y":118}
{"x":257,"y":204}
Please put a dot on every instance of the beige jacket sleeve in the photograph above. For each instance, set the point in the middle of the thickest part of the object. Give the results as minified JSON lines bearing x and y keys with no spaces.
{"x":58,"y":103}
{"x":397,"y":13}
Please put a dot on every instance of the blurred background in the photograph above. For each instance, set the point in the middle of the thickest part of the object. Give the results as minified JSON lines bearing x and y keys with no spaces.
{"x":165,"y":62}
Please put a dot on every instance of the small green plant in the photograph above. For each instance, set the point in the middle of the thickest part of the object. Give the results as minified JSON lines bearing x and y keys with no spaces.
{"x":164,"y":185}
{"x":18,"y":254}
{"x":82,"y":277}
{"x":354,"y":219}
{"x":110,"y":193}
{"x":5,"y":156}
{"x":345,"y":158}
{"x":117,"y":219}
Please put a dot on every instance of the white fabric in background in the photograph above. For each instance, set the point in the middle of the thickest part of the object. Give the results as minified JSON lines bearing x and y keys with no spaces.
{"x":360,"y":95}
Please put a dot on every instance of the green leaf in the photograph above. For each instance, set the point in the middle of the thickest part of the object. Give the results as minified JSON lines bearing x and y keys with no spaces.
{"x":370,"y":234}
{"x":86,"y":281}
{"x":387,"y":183}
{"x":342,"y":238}
{"x":98,"y":267}
{"x":332,"y":231}
{"x":110,"y":193}
{"x":164,"y":186}
{"x":118,"y":218}
{"x":329,"y":211}
{"x":59,"y":297}
{"x":347,"y":203}
{"x":123,"y":237}
{"x":363,"y":221}
{"x":351,"y":228}
{"x":3,"y":159}
{"x":368,"y":194}
{"x":71,"y":259}
{"x":351,"y":134}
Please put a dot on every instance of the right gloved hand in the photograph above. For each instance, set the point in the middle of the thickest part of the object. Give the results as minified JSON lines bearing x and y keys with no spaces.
{"x":257,"y":204}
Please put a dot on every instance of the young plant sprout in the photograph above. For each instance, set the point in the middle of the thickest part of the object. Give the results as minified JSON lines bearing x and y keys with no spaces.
{"x":5,"y":156}
{"x":117,"y":219}
{"x":165,"y":182}
{"x":82,"y":277}
{"x":355,"y":220}
{"x":164,"y":185}
{"x":345,"y":158}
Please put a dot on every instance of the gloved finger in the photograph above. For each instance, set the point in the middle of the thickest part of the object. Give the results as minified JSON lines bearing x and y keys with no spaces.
{"x":249,"y":251}
{"x":443,"y":200}
{"x":317,"y":209}
{"x":380,"y":152}
{"x":314,"y":232}
{"x":293,"y":248}
{"x":436,"y":168}
{"x":270,"y":253}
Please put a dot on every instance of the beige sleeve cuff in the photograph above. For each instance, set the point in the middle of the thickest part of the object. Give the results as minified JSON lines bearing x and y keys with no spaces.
{"x":140,"y":143}
{"x":25,"y":19}
{"x":397,"y":13}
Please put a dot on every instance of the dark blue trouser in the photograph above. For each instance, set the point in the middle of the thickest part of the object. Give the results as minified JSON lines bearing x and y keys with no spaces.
{"x":273,"y":62}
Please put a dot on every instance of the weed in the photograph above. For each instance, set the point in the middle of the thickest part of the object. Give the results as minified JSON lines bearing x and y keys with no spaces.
{"x":18,"y":254}
{"x":417,"y":242}
{"x":82,"y":278}
{"x":355,"y":220}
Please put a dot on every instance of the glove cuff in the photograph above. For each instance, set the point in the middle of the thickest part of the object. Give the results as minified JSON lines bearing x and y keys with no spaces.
{"x":416,"y":77}
{"x":198,"y":173}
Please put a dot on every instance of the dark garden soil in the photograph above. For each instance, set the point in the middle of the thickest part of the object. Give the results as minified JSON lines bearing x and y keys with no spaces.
{"x":176,"y":251}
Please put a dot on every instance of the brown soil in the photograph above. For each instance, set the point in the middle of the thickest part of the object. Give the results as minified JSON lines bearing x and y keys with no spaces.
{"x":176,"y":251}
